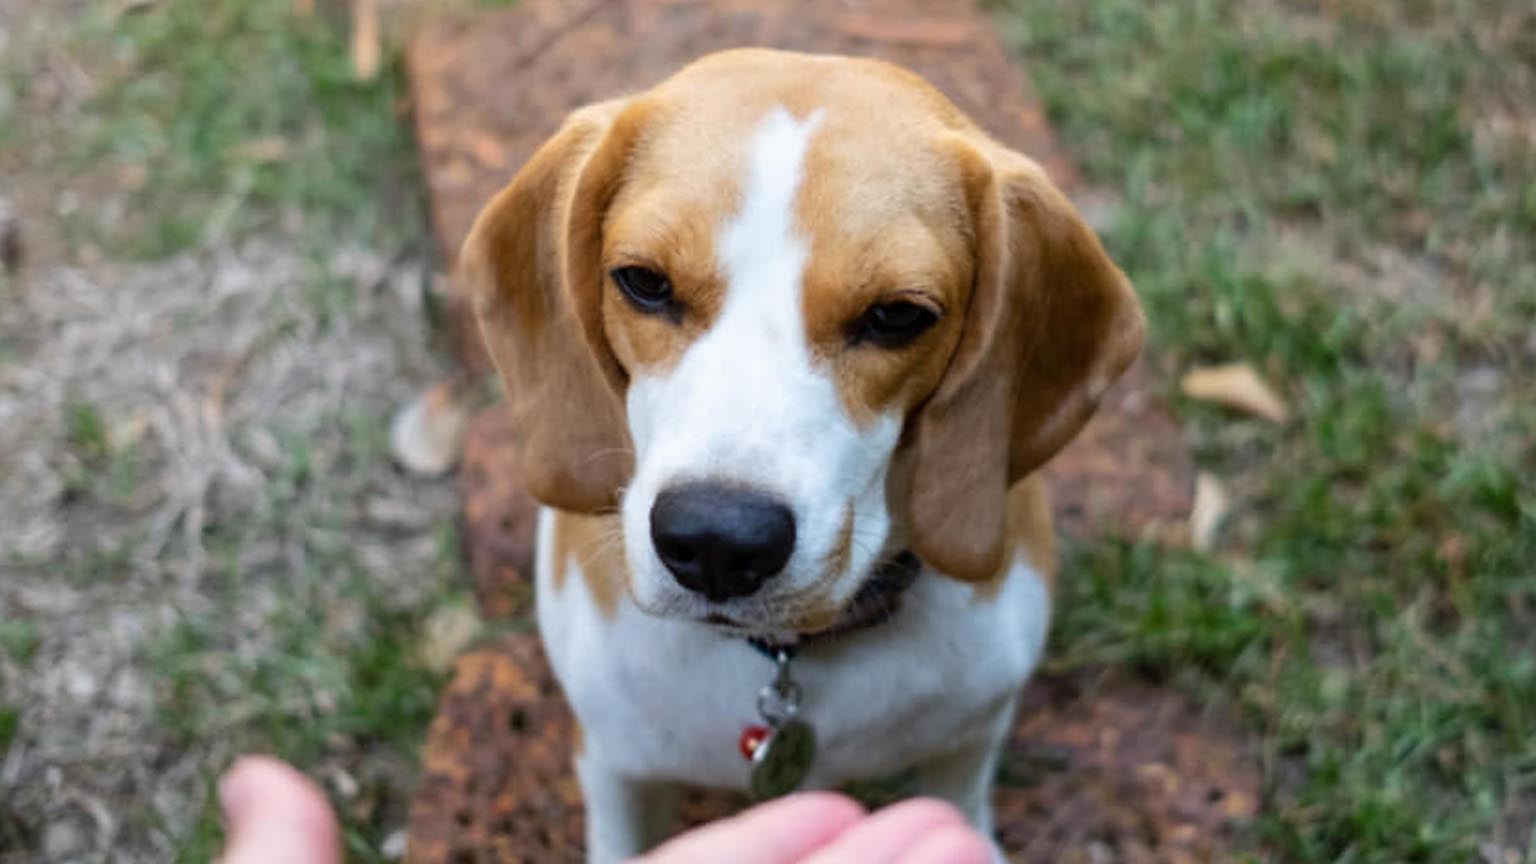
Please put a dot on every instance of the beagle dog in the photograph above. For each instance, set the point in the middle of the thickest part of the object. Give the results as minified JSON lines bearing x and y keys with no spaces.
{"x":785,"y":340}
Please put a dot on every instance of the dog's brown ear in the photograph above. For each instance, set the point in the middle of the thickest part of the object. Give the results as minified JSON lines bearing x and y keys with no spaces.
{"x":1052,"y":322}
{"x":533,"y":262}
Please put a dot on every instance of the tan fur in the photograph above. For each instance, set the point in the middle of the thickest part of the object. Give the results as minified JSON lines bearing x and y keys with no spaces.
{"x":884,"y":224}
{"x":594,"y":544}
{"x":1031,"y":530}
{"x":911,"y":249}
{"x":837,"y":559}
{"x":573,"y":446}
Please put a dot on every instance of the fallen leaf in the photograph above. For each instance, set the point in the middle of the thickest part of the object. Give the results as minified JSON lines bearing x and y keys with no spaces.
{"x":1452,"y":552}
{"x":344,"y":784}
{"x":1239,"y":806}
{"x":268,"y":149}
{"x":1211,"y":506}
{"x":445,"y":635}
{"x":487,"y":150}
{"x":127,"y":432}
{"x":133,"y":175}
{"x":426,"y":434}
{"x":1238,"y":386}
{"x":940,"y":32}
{"x":394,"y":845}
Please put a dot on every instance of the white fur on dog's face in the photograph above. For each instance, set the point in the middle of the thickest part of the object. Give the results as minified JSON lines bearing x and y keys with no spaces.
{"x":749,"y":403}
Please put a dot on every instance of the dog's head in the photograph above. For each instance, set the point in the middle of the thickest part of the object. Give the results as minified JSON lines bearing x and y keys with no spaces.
{"x":787,"y":313}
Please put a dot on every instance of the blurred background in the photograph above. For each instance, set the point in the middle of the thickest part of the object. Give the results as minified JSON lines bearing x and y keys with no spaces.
{"x":217,"y":285}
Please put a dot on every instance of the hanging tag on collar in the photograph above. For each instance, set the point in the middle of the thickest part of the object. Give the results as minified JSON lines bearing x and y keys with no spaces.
{"x":783,"y":759}
{"x":782,"y":753}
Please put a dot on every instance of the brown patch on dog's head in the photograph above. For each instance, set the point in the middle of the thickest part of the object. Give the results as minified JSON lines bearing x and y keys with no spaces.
{"x":883,"y":209}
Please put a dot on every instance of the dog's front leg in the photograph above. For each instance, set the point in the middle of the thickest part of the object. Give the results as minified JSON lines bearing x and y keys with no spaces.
{"x":625,"y":816}
{"x":964,"y":776}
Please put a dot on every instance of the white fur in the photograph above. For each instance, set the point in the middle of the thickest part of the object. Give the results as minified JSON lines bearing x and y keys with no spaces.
{"x":662,"y":698}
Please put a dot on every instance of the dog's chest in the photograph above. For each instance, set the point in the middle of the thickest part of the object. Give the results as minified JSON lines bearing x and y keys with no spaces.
{"x":668,"y":699}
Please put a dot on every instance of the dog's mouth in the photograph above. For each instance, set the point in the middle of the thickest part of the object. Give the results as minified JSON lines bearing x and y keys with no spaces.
{"x":877,"y":599}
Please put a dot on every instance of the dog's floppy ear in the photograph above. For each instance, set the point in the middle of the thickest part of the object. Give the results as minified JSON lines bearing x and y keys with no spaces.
{"x":1052,"y":322}
{"x":533,"y":262}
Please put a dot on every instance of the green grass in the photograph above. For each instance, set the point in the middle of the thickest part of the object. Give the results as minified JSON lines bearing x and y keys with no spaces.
{"x":19,"y":640}
{"x":8,"y":723}
{"x":219,"y":118}
{"x":1372,"y":607}
{"x":349,"y":696}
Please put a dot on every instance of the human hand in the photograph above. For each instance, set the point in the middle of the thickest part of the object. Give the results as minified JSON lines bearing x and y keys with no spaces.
{"x":826,"y":828}
{"x":273,"y":813}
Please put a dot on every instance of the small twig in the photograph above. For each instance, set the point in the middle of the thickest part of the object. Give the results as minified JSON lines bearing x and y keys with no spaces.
{"x":366,"y":49}
{"x":555,"y":35}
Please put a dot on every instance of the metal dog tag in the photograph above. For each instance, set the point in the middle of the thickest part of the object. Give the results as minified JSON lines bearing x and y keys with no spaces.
{"x":781,"y":762}
{"x":782,"y":759}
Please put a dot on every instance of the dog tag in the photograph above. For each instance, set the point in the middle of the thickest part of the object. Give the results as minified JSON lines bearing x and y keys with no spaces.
{"x":780,"y":763}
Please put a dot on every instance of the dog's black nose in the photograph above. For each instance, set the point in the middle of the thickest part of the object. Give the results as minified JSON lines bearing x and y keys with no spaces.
{"x":721,"y":541}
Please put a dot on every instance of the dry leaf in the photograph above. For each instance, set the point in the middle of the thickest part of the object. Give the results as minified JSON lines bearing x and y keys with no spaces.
{"x":1235,"y":385}
{"x":304,"y":8}
{"x":946,"y":32}
{"x":1211,"y":506}
{"x":488,"y":150}
{"x":270,"y":148}
{"x":426,"y":434}
{"x":128,"y":432}
{"x":366,"y":48}
{"x":445,"y":635}
{"x":133,"y":175}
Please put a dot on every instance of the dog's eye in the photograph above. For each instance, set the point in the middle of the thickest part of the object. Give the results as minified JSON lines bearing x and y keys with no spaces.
{"x":892,"y":325}
{"x":648,"y":290}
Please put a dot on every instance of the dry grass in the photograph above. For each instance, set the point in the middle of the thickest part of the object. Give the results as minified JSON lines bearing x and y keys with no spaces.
{"x":205,"y":546}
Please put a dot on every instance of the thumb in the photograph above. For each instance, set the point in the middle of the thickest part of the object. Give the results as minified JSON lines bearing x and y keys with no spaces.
{"x":274,"y":813}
